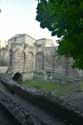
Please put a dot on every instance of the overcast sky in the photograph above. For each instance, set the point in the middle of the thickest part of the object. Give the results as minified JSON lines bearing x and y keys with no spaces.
{"x":18,"y":16}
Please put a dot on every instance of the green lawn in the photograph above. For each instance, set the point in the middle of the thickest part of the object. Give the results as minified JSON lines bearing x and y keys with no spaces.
{"x":57,"y":89}
{"x":81,"y":86}
{"x":45,"y":86}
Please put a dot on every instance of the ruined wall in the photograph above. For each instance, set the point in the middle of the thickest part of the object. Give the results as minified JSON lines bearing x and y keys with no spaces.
{"x":21,"y":55}
{"x":39,"y":59}
{"x":51,"y":66}
{"x":16,"y":55}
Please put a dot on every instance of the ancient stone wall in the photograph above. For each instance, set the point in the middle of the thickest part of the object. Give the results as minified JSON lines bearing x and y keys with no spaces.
{"x":51,"y":66}
{"x":21,"y":55}
{"x":39,"y":59}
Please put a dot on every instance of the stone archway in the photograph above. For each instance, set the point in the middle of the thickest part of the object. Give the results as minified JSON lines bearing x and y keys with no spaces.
{"x":18,"y":77}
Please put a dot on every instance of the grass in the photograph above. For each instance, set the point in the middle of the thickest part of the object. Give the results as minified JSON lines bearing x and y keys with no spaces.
{"x":57,"y":89}
{"x":42,"y":85}
{"x":81,"y":86}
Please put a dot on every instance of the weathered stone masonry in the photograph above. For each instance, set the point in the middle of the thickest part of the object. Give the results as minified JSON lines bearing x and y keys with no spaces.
{"x":38,"y":59}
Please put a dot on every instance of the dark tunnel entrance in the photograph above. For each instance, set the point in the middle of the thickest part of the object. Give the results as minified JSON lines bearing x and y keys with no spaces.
{"x":18,"y":77}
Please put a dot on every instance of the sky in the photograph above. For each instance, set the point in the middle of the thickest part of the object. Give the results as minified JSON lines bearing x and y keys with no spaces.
{"x":17,"y":17}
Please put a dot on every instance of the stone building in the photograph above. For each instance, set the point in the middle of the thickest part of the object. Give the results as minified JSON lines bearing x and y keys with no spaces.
{"x":27,"y":58}
{"x":26,"y":54}
{"x":30,"y":58}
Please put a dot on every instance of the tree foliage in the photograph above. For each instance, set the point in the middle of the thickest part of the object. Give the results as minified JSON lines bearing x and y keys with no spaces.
{"x":64,"y":18}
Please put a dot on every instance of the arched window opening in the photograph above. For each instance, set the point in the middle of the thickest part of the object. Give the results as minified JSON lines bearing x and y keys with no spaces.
{"x":29,"y":62}
{"x":39,"y":61}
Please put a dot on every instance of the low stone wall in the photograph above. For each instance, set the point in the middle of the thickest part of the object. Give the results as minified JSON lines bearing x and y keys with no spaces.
{"x":56,"y":77}
{"x":17,"y":111}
